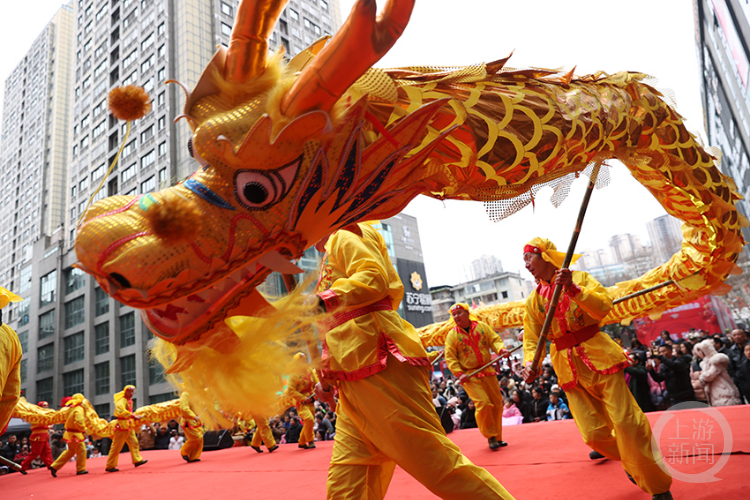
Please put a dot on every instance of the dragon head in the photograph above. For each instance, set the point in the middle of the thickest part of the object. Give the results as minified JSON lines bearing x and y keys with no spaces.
{"x":284,"y":161}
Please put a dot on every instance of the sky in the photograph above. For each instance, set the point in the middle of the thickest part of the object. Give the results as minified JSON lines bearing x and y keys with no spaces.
{"x":650,"y":36}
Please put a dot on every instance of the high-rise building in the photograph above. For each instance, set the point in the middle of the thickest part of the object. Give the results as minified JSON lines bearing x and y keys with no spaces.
{"x":76,"y":339}
{"x":665,"y":233}
{"x":33,"y":156}
{"x":722,"y":34}
{"x":486,"y":265}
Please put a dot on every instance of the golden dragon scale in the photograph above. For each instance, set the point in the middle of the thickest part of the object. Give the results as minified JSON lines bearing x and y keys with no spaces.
{"x":290,"y":153}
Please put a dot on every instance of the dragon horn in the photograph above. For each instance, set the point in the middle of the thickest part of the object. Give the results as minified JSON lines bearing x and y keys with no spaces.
{"x":248,"y":44}
{"x":360,"y":43}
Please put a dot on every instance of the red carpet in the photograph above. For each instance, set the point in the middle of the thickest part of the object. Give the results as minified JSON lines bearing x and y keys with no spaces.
{"x":542,"y":461}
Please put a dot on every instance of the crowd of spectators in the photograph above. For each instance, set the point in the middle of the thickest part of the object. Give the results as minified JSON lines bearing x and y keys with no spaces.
{"x":286,"y":427}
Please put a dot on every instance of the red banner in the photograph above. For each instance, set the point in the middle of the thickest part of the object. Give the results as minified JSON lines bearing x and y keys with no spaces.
{"x":707,"y":313}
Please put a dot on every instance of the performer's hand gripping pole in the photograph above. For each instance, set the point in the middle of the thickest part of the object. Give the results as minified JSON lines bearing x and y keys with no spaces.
{"x":541,"y":346}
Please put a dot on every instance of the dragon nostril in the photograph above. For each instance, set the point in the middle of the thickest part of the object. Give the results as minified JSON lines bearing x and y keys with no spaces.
{"x":120,"y":280}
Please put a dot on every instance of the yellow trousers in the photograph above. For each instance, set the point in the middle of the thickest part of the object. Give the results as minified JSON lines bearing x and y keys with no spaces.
{"x":488,"y":400}
{"x":306,"y":413}
{"x":612,"y":423}
{"x":389,"y":419}
{"x":10,"y":373}
{"x":77,"y":449}
{"x":193,"y":446}
{"x":118,"y":441}
{"x":263,"y":434}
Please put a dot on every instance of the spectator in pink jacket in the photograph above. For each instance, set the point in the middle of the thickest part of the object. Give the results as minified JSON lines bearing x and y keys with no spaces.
{"x":510,"y":409}
{"x":718,"y":385}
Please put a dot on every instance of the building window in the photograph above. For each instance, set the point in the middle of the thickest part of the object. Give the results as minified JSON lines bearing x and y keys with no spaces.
{"x":73,"y":348}
{"x":294,"y":14}
{"x":149,"y":158}
{"x":45,"y":358}
{"x":155,"y":372}
{"x":101,"y":379}
{"x":226,"y":9}
{"x":128,"y":173}
{"x":147,"y":134}
{"x":24,"y":370}
{"x":127,"y":330}
{"x":74,"y":279}
{"x":44,"y":390}
{"x":73,"y":382}
{"x":102,"y":301}
{"x":162,"y":123}
{"x":101,"y":338}
{"x":127,"y":370}
{"x":23,"y":338}
{"x":161,"y":29}
{"x":162,"y":148}
{"x":47,"y":325}
{"x":226,"y":29}
{"x":161,"y":75}
{"x":129,"y":148}
{"x":162,"y":398}
{"x":25,"y":279}
{"x":23,"y":312}
{"x":162,"y":176}
{"x":74,"y":312}
{"x":98,"y":173}
{"x":148,"y":185}
{"x":49,"y":287}
{"x":102,"y":410}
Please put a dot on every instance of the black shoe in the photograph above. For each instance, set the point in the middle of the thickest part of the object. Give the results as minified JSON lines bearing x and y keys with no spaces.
{"x":633,"y":481}
{"x":113,"y":469}
{"x":595,"y":455}
{"x":81,"y":473}
{"x":494,"y":444}
{"x":256,"y":448}
{"x":662,"y":496}
{"x":273,"y":448}
{"x":53,"y":471}
{"x":22,"y":471}
{"x":185,"y":458}
{"x":138,"y":464}
{"x":194,"y":460}
{"x":502,"y":443}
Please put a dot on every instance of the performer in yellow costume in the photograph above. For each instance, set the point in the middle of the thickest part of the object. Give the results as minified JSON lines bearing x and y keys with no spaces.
{"x":376,"y":360}
{"x":467,"y":348}
{"x":193,"y":428}
{"x":587,"y":362}
{"x":263,"y":435}
{"x":75,"y":426}
{"x":10,"y":362}
{"x":124,"y":430}
{"x":300,"y":391}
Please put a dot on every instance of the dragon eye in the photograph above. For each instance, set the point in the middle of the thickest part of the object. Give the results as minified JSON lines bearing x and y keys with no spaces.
{"x":256,"y":189}
{"x":255,"y":192}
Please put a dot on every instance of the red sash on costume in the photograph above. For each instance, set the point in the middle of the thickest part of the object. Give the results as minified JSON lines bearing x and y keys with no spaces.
{"x":340,"y":318}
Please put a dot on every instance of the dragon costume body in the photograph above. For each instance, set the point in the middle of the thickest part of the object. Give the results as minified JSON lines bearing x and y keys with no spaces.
{"x":291,"y":152}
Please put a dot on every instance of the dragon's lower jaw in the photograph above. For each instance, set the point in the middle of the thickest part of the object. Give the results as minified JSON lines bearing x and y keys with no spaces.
{"x":186,"y":319}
